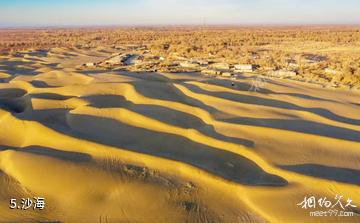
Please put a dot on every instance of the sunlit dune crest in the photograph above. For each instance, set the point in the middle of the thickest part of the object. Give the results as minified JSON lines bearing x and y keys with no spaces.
{"x":118,"y":146}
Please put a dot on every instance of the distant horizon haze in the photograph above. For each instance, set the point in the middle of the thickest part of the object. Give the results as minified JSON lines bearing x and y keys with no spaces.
{"x":81,"y":13}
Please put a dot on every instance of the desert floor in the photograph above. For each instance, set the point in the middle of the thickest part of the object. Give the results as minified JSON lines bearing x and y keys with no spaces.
{"x":116,"y":146}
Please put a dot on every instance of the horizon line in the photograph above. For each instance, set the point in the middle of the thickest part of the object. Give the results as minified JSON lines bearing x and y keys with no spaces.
{"x":260,"y":25}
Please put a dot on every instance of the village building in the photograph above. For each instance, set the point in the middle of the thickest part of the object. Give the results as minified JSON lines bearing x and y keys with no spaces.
{"x":245,"y":67}
{"x":268,"y":68}
{"x":330,"y":71}
{"x":292,"y":64}
{"x":282,"y":73}
{"x":91,"y":65}
{"x":210,"y":72}
{"x":200,"y":62}
{"x":116,"y":60}
{"x":189,"y":64}
{"x":220,"y":66}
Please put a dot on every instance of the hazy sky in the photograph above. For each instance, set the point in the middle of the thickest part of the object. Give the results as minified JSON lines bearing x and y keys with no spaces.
{"x":165,"y":12}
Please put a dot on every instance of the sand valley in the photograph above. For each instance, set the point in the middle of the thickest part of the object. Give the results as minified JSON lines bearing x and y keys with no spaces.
{"x":130,"y":145}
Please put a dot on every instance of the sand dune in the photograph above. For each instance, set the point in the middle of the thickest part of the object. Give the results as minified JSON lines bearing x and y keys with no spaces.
{"x":116,"y":146}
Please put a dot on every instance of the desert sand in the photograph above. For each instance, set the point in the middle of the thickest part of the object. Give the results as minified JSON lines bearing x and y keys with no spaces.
{"x":116,"y":146}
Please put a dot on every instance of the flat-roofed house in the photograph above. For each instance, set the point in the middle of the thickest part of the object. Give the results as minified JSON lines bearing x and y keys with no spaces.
{"x":245,"y":67}
{"x":220,"y":66}
{"x":189,"y":64}
{"x":282,"y":73}
{"x":330,"y":71}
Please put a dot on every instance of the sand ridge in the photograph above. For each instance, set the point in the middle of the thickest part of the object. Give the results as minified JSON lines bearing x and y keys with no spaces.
{"x":116,"y":146}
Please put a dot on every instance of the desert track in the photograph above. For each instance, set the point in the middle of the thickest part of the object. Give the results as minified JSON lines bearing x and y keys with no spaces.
{"x":115,"y":146}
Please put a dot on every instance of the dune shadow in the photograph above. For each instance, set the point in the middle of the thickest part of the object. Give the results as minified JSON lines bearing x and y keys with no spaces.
{"x":107,"y":101}
{"x":163,"y":114}
{"x":156,"y":86}
{"x":53,"y":66}
{"x":302,"y":126}
{"x":52,"y":118}
{"x":304,"y":96}
{"x":225,"y":164}
{"x":158,"y":90}
{"x":88,"y":72}
{"x":51,"y":152}
{"x":38,"y":53}
{"x":41,"y":84}
{"x":14,"y":105}
{"x":243,"y":86}
{"x":239,"y":86}
{"x":168,"y":92}
{"x":145,"y":76}
{"x":4,"y":148}
{"x":343,"y":175}
{"x":12,"y":100}
{"x":13,"y":67}
{"x":255,"y":100}
{"x":35,"y":53}
{"x":58,"y":154}
{"x":12,"y":92}
{"x":51,"y":96}
{"x":263,"y":90}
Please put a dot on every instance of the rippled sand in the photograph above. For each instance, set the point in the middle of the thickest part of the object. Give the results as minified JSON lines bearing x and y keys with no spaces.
{"x":114,"y":146}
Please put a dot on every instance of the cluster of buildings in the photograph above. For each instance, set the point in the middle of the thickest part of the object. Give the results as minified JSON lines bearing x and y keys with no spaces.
{"x":139,"y":59}
{"x":227,"y":70}
{"x":113,"y":61}
{"x":146,"y":62}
